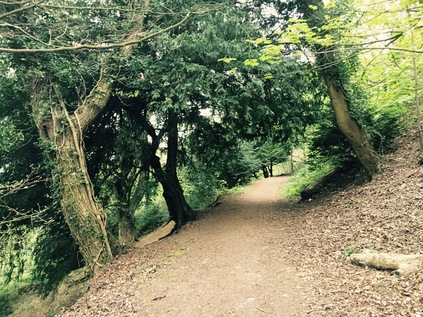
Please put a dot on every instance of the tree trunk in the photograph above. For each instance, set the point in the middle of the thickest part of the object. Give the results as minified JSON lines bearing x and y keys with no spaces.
{"x":179,"y":210}
{"x":332,"y":76}
{"x":349,"y":127}
{"x":265,"y":171}
{"x":126,"y":227}
{"x":83,"y":215}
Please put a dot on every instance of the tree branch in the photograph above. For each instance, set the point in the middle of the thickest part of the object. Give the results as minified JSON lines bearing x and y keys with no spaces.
{"x":103,"y":46}
{"x":18,"y":216}
{"x":31,"y":180}
{"x":21,"y":9}
{"x":8,"y":25}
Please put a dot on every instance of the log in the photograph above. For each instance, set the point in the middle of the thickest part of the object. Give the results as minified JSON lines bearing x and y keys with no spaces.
{"x":157,"y":235}
{"x":399,"y":263}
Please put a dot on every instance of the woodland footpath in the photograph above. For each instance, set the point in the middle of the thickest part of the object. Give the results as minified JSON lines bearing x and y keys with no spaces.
{"x":117,"y":117}
{"x":257,"y":255}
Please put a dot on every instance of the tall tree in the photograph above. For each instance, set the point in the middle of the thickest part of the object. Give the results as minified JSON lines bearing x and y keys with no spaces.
{"x":335,"y":77}
{"x":62,"y":113}
{"x":310,"y":26}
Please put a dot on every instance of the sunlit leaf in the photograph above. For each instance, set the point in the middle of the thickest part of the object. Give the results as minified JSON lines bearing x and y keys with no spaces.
{"x":272,"y":50}
{"x":253,"y":62}
{"x":227,"y":59}
{"x":262,"y":41}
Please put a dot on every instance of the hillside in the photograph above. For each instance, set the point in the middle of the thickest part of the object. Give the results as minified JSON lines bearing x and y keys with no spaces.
{"x":384,"y":215}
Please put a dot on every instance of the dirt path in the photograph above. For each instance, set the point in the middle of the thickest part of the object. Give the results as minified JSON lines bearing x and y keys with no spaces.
{"x":232,"y":262}
{"x":254,"y":255}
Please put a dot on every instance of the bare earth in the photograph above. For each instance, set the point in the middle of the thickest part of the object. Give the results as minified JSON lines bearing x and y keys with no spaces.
{"x":256,"y":255}
{"x":232,"y":262}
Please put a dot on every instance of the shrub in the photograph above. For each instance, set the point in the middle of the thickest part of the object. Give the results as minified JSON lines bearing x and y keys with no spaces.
{"x":200,"y":186}
{"x":150,"y":217}
{"x":305,"y":176}
{"x":6,"y":307}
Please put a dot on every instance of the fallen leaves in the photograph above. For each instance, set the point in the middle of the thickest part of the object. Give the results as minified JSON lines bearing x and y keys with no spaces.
{"x":385,"y":215}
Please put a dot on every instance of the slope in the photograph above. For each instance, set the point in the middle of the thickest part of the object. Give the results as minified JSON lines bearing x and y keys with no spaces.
{"x":257,"y":255}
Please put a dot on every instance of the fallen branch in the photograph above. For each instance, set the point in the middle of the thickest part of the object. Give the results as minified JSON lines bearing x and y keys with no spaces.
{"x":400,"y":263}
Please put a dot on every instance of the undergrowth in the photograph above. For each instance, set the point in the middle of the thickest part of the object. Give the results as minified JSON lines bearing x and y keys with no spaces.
{"x":6,"y":297}
{"x":306,"y":175}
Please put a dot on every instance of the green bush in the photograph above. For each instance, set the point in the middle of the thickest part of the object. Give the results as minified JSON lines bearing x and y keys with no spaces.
{"x":6,"y":307}
{"x":388,"y":122}
{"x":200,"y":186}
{"x":150,"y":217}
{"x":55,"y":254}
{"x":305,"y":176}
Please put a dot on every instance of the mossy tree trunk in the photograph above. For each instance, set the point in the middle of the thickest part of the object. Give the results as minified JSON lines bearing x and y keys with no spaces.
{"x":84,"y":216}
{"x":356,"y":136}
{"x":334,"y":78}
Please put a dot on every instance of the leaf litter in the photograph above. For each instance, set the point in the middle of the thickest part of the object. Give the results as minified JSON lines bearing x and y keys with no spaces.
{"x":256,"y":255}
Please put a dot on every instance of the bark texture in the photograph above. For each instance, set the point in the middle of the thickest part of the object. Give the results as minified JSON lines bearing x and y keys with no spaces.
{"x":401,"y":263}
{"x":84,"y":216}
{"x":356,"y":136}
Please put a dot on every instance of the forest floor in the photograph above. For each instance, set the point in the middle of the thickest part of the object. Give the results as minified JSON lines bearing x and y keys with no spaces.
{"x":257,"y":255}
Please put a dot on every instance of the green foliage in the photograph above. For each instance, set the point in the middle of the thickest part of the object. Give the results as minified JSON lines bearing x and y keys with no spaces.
{"x":14,"y":246}
{"x":272,"y":153}
{"x":237,"y":165}
{"x":150,"y":217}
{"x":325,"y":141}
{"x":200,"y":186}
{"x":305,"y":176}
{"x":388,"y":123}
{"x":55,"y":255}
{"x":6,"y":307}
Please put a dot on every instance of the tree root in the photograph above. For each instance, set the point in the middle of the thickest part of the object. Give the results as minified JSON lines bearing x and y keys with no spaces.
{"x":157,"y":235}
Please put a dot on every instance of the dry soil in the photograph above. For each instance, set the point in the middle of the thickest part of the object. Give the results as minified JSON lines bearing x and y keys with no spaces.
{"x":257,"y":255}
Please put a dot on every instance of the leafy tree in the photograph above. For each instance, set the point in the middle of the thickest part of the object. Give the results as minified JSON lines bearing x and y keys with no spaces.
{"x":316,"y":33}
{"x":68,"y":101}
{"x":388,"y":73}
{"x":337,"y":37}
{"x":26,"y":204}
{"x":270,"y":154}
